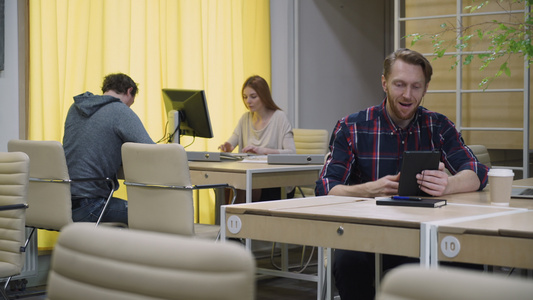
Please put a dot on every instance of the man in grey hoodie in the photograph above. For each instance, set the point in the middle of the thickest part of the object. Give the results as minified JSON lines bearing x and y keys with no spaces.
{"x":95,"y":129}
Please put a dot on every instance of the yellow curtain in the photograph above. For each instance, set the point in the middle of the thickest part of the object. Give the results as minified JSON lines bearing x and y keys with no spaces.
{"x":190,"y":44}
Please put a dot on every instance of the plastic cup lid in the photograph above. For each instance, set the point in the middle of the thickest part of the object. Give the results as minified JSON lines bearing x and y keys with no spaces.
{"x":501,"y":172}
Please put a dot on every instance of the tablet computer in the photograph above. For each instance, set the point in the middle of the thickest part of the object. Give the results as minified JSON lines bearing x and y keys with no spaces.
{"x":413,"y":163}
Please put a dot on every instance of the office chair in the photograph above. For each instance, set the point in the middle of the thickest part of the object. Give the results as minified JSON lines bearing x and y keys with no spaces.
{"x":482,"y":154}
{"x":413,"y":282}
{"x":307,"y":141}
{"x":160,"y":191}
{"x":109,"y":263}
{"x":49,"y":197}
{"x":310,"y":141}
{"x":14,"y":172}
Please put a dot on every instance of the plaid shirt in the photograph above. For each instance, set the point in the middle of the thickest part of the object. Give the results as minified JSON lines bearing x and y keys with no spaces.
{"x":367,"y":145}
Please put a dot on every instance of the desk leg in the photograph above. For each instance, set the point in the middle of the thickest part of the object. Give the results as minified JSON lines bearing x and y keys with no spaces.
{"x":284,"y":257}
{"x":248,"y":187}
{"x":248,"y":242}
{"x":220,"y":198}
{"x":325,"y":267}
{"x":321,"y":284}
{"x":433,"y":243}
{"x":223,"y":223}
{"x":426,"y":245}
{"x":379,"y":270}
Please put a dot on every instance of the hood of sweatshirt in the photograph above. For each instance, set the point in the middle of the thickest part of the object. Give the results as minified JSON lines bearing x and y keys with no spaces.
{"x":88,"y":103}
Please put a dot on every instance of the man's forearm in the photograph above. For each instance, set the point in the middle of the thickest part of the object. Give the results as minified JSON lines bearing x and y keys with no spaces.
{"x":462,"y":182}
{"x":357,"y":190}
{"x":364,"y":190}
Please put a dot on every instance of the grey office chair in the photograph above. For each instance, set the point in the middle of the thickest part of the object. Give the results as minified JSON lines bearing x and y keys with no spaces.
{"x":14,"y":172}
{"x":413,"y":282}
{"x":109,"y":263}
{"x":160,"y":191}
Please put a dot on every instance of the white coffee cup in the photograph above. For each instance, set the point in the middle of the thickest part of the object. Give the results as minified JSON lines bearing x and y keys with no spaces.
{"x":500,"y":186}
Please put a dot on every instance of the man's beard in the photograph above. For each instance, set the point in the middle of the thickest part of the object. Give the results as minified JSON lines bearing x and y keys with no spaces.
{"x":396,"y":112}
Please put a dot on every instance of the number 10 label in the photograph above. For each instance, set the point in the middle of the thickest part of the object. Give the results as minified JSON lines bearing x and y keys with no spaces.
{"x":450,"y":246}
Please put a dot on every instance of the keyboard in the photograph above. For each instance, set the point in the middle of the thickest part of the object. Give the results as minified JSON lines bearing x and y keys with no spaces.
{"x":255,"y":159}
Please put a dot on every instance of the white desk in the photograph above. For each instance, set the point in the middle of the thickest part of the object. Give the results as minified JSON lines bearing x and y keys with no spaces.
{"x":248,"y":176}
{"x":483,"y":198}
{"x":346,"y":223}
{"x":503,"y":240}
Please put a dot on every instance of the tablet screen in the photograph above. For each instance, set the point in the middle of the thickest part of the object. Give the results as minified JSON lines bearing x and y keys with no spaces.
{"x":413,"y":163}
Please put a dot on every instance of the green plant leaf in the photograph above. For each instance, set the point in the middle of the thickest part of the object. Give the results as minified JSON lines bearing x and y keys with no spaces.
{"x":468,"y":59}
{"x":501,"y":37}
{"x":504,"y":68}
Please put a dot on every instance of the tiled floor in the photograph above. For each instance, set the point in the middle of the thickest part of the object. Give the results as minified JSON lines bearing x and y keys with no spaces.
{"x":270,"y":288}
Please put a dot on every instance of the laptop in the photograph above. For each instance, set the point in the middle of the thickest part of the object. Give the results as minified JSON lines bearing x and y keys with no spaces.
{"x":214,"y":156}
{"x":522,"y":192}
{"x":295,"y":159}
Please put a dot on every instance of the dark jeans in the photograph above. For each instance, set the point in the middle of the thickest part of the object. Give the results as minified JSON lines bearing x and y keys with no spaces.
{"x":89,"y":209}
{"x":354,"y":271}
{"x":274,"y":194}
{"x":267,"y":194}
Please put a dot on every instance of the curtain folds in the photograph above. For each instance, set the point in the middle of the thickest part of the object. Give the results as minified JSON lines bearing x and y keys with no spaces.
{"x":189,"y":44}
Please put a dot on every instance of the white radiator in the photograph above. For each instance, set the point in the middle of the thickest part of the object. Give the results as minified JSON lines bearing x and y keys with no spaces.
{"x":31,"y":258}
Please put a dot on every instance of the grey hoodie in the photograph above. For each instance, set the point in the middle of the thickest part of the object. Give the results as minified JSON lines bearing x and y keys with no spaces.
{"x":95,"y":129}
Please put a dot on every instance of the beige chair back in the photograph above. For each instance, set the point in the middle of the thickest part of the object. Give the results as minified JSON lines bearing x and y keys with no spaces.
{"x":482,"y":154}
{"x":158,"y":209}
{"x":14,"y":170}
{"x":413,"y":282}
{"x":108,"y":263}
{"x":310,"y":141}
{"x":50,"y":206}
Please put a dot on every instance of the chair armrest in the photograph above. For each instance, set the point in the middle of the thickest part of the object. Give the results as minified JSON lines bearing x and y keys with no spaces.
{"x":189,"y":187}
{"x":13,"y":206}
{"x":52,"y":180}
{"x":211,"y":186}
{"x":90,"y":179}
{"x":72,"y":180}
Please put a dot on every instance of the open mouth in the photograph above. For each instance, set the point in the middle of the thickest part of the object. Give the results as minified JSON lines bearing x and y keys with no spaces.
{"x":405,"y":105}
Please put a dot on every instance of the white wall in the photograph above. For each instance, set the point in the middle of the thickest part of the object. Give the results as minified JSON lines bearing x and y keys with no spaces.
{"x":9,"y":79}
{"x":327,"y":58}
{"x":282,"y":26}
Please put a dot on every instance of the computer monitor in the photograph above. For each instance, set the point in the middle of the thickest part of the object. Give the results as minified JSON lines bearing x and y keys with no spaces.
{"x":187,"y":113}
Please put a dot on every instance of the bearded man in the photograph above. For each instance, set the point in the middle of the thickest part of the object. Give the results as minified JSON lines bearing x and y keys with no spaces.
{"x":366,"y":150}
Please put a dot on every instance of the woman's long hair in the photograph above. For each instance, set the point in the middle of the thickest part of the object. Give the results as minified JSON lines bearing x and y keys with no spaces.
{"x":262,"y":89}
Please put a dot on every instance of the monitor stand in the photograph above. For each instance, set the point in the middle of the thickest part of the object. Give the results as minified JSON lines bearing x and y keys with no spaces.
{"x":174,"y":125}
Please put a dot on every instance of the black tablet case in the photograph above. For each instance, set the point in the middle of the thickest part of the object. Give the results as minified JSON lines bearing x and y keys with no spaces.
{"x":413,"y":163}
